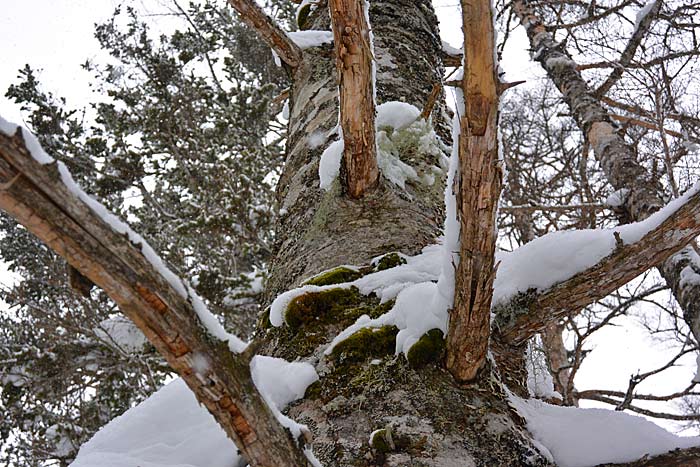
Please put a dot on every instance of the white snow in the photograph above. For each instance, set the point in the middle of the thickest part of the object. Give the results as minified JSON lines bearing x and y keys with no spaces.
{"x":122,"y":332}
{"x":557,"y":256}
{"x":311,"y":38}
{"x":171,"y":429}
{"x":396,"y":115}
{"x":586,"y":437}
{"x":540,"y":383}
{"x":617,"y":198}
{"x":451,"y":50}
{"x":394,"y":121}
{"x":210,"y":322}
{"x":306,"y":40}
{"x":329,"y":165}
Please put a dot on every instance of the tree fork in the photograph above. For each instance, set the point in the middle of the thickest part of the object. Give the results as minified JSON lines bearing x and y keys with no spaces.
{"x":37,"y":196}
{"x":354,"y":58}
{"x":478,"y":188}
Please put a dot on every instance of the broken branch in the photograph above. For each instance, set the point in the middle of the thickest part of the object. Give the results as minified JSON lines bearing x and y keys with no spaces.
{"x":43,"y":198}
{"x":357,"y":107}
{"x":478,"y":188}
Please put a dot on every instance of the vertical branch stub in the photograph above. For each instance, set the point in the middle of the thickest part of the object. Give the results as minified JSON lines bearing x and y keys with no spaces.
{"x":356,"y":86}
{"x":479,"y":188}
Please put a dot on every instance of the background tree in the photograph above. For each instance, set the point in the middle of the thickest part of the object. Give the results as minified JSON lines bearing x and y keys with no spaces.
{"x":160,"y":137}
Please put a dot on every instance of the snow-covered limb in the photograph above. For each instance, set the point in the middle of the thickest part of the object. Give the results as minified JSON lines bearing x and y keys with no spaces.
{"x":268,"y":30}
{"x":40,"y":194}
{"x":563,"y":272}
{"x":354,"y":62}
{"x":477,"y":189}
{"x":617,"y":158}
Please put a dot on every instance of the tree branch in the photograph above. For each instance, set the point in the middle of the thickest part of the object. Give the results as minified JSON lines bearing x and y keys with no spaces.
{"x":528,"y":313}
{"x":351,"y":37}
{"x":268,"y":30}
{"x":479,"y":183}
{"x":617,"y":158}
{"x":676,"y":458}
{"x":43,"y":198}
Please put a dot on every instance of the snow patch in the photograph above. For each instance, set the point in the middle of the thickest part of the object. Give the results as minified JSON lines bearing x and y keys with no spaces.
{"x":584,"y":437}
{"x":171,"y":429}
{"x":557,"y":256}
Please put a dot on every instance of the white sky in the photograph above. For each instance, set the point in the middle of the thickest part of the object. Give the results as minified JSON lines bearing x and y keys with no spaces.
{"x":56,"y":36}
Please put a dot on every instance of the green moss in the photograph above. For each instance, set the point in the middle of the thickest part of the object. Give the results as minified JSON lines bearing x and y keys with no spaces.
{"x":314,"y":306}
{"x":381,"y":309}
{"x":303,"y":17}
{"x":429,"y":348}
{"x":366,"y":342}
{"x":390,"y":260}
{"x":334,"y":276}
{"x":379,"y":441}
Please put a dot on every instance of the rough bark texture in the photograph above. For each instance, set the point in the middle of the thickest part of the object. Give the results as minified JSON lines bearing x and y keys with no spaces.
{"x":617,"y":158}
{"x":320,"y":230}
{"x":677,"y":458}
{"x":37,"y":197}
{"x":364,"y":386}
{"x":254,"y":16}
{"x":477,"y":189}
{"x":530,"y":312}
{"x":351,"y":37}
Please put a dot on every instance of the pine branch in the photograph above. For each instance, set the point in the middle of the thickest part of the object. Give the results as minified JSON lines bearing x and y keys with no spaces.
{"x":41,"y":198}
{"x":269,"y":31}
{"x":354,"y":57}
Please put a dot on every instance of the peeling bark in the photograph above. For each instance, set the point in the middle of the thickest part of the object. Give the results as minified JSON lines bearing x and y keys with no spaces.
{"x":351,"y":37}
{"x":477,"y":188}
{"x":37,"y":197}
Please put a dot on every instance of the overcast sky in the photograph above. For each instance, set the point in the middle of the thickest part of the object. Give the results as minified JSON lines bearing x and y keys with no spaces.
{"x":57,"y":36}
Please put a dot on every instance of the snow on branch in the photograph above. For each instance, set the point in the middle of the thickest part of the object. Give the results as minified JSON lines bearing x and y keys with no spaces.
{"x":269,"y":31}
{"x":356,"y":80}
{"x":41,"y":194}
{"x":563,"y":272}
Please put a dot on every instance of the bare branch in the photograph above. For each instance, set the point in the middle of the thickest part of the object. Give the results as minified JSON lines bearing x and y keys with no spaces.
{"x":617,"y":158}
{"x":39,"y":197}
{"x":630,"y":50}
{"x":676,"y":458}
{"x":528,"y":313}
{"x":268,"y":30}
{"x":478,"y":187}
{"x":357,"y":107}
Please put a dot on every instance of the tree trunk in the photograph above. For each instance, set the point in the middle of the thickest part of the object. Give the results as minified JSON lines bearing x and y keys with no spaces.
{"x":424,"y":417}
